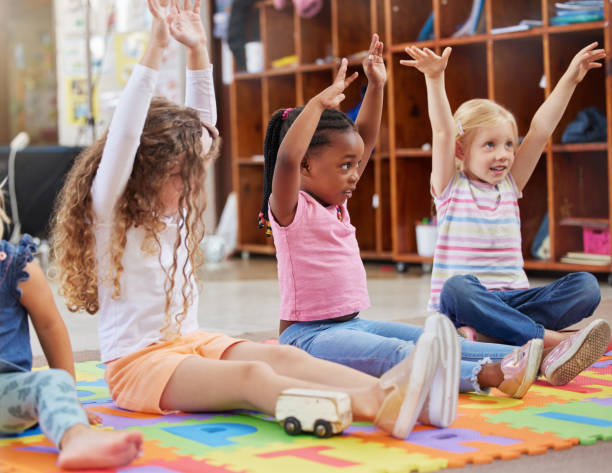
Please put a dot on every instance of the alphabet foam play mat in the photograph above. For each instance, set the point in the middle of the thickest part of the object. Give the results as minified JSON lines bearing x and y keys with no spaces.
{"x":487,"y":427}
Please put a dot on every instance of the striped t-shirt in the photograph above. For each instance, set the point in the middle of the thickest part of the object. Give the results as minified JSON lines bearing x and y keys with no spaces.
{"x":479,"y":233}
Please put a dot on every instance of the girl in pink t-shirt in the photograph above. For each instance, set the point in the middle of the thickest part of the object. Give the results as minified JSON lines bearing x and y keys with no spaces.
{"x":314,"y":157}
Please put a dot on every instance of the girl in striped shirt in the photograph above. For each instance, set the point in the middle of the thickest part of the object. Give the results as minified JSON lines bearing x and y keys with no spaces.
{"x":478,"y":173}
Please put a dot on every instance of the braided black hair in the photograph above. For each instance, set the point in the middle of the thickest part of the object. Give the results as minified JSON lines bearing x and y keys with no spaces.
{"x":279,"y":124}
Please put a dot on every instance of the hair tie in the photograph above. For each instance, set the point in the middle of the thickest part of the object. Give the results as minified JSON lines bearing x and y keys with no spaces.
{"x":460,"y":128}
{"x":286,"y":113}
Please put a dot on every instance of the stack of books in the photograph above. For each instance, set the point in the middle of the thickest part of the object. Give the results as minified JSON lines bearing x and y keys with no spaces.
{"x":578,"y":11}
{"x":578,"y":257}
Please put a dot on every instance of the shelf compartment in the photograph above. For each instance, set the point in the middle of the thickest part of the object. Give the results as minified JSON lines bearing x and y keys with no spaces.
{"x":314,"y":82}
{"x":505,"y":13}
{"x":281,"y":93}
{"x":354,"y":28}
{"x":412,"y":127}
{"x":250,"y":136}
{"x":466,"y":74}
{"x":316,"y":36}
{"x":455,"y":13}
{"x":511,"y":69}
{"x":250,"y":191}
{"x":592,"y":90}
{"x":363,"y":215}
{"x":407,"y":20}
{"x":384,"y":207}
{"x":552,"y":12}
{"x":279,"y":33}
{"x":581,"y":191}
{"x":414,"y":201}
{"x":533,"y":206}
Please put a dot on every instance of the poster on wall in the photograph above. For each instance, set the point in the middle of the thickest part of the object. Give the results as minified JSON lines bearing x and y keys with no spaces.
{"x":118,"y":35}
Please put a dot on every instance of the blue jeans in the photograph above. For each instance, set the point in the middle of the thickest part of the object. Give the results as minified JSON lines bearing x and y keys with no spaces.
{"x":374,"y":346}
{"x":519,"y":315}
{"x":47,"y":397}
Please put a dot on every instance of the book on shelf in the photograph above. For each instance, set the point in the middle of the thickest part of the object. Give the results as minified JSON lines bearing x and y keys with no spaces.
{"x":469,"y":27}
{"x":524,"y":25}
{"x":579,"y":257}
{"x":579,"y":5}
{"x":578,"y":18}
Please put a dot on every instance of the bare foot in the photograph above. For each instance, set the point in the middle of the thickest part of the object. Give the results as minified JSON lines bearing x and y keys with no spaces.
{"x":84,"y":447}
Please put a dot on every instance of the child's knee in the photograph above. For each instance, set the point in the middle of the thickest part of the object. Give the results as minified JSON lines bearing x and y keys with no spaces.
{"x":587,"y":287}
{"x":56,"y":381}
{"x":459,"y":284}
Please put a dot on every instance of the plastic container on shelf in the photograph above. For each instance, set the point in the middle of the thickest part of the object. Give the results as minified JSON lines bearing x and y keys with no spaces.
{"x":426,"y":236}
{"x":596,"y":240}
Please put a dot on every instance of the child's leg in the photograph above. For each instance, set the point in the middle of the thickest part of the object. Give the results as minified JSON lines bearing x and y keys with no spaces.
{"x":293,"y":362}
{"x":18,"y":406}
{"x":467,"y":302}
{"x":238,"y":382}
{"x":49,"y":397}
{"x":373,"y":347}
{"x":560,"y":304}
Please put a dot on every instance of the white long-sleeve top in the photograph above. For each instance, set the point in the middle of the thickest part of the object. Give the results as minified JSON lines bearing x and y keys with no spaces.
{"x":134,"y":320}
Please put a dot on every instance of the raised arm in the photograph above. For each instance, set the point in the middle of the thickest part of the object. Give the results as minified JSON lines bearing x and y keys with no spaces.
{"x":550,"y":112}
{"x":186,"y":27}
{"x":129,"y":118}
{"x":443,"y":128}
{"x":368,"y":119}
{"x":286,"y":180}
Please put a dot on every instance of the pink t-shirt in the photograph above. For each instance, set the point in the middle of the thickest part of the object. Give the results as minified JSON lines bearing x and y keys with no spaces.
{"x":320,"y":272}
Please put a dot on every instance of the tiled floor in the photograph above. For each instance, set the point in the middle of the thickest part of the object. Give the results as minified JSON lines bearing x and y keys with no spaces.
{"x":241,"y":298}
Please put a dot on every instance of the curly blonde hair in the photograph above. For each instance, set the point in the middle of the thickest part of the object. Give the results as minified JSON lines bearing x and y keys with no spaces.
{"x":170,"y":141}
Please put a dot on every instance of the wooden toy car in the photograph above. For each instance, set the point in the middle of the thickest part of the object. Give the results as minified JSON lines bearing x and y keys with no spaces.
{"x":309,"y":410}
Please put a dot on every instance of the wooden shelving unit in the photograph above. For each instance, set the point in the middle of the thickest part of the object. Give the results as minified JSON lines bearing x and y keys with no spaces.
{"x":570,"y":181}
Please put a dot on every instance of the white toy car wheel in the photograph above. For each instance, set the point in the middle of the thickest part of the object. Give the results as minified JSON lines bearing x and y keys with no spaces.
{"x":292,"y":426}
{"x":323,"y":429}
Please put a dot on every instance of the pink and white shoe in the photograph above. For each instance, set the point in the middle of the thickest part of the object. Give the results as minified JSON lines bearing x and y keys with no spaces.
{"x":520,"y":368}
{"x":576,"y":353}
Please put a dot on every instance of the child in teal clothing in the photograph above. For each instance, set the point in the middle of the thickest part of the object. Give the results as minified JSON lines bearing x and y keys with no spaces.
{"x":47,"y":397}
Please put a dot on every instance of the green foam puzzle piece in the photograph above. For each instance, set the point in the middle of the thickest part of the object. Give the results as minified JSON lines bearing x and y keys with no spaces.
{"x":588,"y":421}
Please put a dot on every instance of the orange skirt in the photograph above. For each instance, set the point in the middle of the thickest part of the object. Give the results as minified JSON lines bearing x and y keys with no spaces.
{"x":137,"y":381}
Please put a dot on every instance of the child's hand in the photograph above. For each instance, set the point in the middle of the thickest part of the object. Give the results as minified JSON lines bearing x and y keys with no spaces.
{"x":426,"y":61}
{"x":584,"y":61}
{"x":160,"y":33}
{"x":374,"y":65}
{"x":332,"y":96}
{"x":186,"y":25}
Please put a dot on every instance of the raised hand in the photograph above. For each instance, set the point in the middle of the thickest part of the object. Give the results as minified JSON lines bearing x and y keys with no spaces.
{"x":584,"y":61}
{"x":332,"y":96}
{"x":160,"y":33}
{"x":186,"y":25}
{"x":426,"y":61}
{"x":374,"y":65}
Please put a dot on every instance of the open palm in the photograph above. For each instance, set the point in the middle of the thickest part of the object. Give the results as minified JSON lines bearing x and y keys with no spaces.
{"x":186,"y":25}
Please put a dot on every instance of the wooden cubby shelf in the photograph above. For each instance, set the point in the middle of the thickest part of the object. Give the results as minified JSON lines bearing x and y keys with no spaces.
{"x":518,"y":70}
